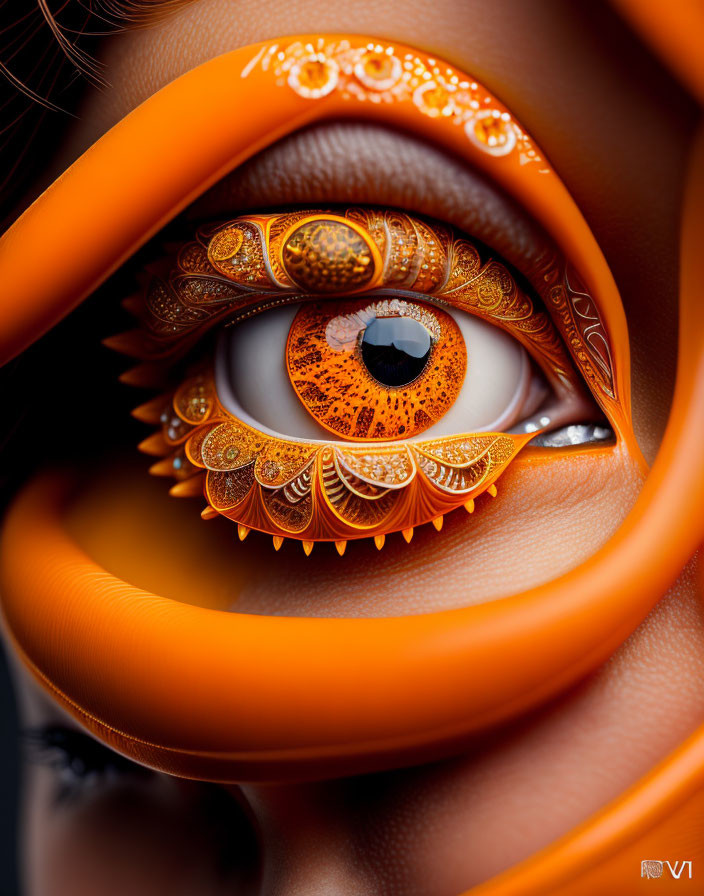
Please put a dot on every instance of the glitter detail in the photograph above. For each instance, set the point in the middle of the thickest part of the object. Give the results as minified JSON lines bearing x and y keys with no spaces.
{"x":283,"y":256}
{"x":324,"y":254}
{"x":280,"y":462}
{"x":492,"y":131}
{"x":195,"y":400}
{"x":434,"y":100}
{"x":246,"y":264}
{"x":378,"y":71}
{"x":391,"y":467}
{"x":314,"y":76}
{"x":334,"y":491}
{"x":226,"y":244}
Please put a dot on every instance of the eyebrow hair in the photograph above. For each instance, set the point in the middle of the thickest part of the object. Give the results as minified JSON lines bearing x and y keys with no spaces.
{"x":46,"y":62}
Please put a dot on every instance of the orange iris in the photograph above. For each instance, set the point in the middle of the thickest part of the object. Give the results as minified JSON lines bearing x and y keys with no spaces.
{"x":331,"y":376}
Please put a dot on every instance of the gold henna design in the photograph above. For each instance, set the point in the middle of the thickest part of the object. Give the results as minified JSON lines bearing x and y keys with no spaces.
{"x":316,"y":491}
{"x":257,"y":262}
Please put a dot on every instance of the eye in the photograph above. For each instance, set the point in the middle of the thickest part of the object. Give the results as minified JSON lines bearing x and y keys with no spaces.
{"x":372,"y":372}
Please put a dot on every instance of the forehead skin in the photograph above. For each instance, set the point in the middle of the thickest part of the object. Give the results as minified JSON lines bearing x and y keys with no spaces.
{"x":613,"y":123}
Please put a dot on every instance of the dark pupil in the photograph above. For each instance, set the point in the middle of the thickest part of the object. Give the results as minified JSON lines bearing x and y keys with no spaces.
{"x":395,"y":349}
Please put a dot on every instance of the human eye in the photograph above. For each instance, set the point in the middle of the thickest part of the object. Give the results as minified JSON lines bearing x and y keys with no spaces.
{"x":353,"y":372}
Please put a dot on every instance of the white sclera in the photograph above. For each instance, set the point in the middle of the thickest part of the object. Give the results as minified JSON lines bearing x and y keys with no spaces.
{"x":252,"y":381}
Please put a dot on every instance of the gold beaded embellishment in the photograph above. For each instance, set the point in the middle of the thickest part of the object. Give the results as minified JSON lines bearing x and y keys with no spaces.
{"x":379,"y":73}
{"x":316,"y":491}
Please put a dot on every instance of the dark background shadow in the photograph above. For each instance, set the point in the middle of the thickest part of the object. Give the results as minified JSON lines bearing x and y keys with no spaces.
{"x":9,"y":783}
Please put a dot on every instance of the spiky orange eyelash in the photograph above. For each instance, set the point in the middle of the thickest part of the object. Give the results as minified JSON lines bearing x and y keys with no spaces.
{"x":316,"y":491}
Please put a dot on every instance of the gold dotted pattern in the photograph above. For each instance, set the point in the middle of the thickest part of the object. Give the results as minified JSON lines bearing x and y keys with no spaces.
{"x":458,"y":450}
{"x":194,"y":400}
{"x":314,"y":77}
{"x":276,"y":229}
{"x":381,"y":73}
{"x":226,"y":490}
{"x":279,"y":462}
{"x":493,"y":132}
{"x":378,"y":71}
{"x":339,"y":392}
{"x":246,"y":265}
{"x":315,"y":491}
{"x":389,"y":467}
{"x":329,"y":256}
{"x":226,"y":244}
{"x":229,"y":446}
{"x":193,"y":259}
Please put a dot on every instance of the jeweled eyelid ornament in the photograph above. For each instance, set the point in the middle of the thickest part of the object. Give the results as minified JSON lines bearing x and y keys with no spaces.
{"x":230,"y":696}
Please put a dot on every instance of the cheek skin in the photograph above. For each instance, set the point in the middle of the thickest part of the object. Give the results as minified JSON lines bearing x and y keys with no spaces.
{"x":471,"y":818}
{"x":138,"y":835}
{"x":446,"y":827}
{"x":550,"y":514}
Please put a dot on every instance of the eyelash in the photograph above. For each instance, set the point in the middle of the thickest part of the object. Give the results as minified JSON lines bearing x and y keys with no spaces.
{"x":79,"y":762}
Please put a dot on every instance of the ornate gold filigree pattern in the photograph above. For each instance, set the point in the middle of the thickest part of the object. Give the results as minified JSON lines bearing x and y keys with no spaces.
{"x":318,"y":491}
{"x":259,"y":261}
{"x":395,"y":264}
{"x":585,"y":331}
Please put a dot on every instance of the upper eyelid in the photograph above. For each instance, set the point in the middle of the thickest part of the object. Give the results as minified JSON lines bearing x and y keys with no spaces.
{"x":307,"y":169}
{"x":434,"y":263}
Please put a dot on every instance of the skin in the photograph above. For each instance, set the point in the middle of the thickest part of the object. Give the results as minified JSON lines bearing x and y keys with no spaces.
{"x":608,"y":118}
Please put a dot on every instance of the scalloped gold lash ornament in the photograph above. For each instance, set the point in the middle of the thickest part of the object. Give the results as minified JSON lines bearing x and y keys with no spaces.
{"x":316,"y":491}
